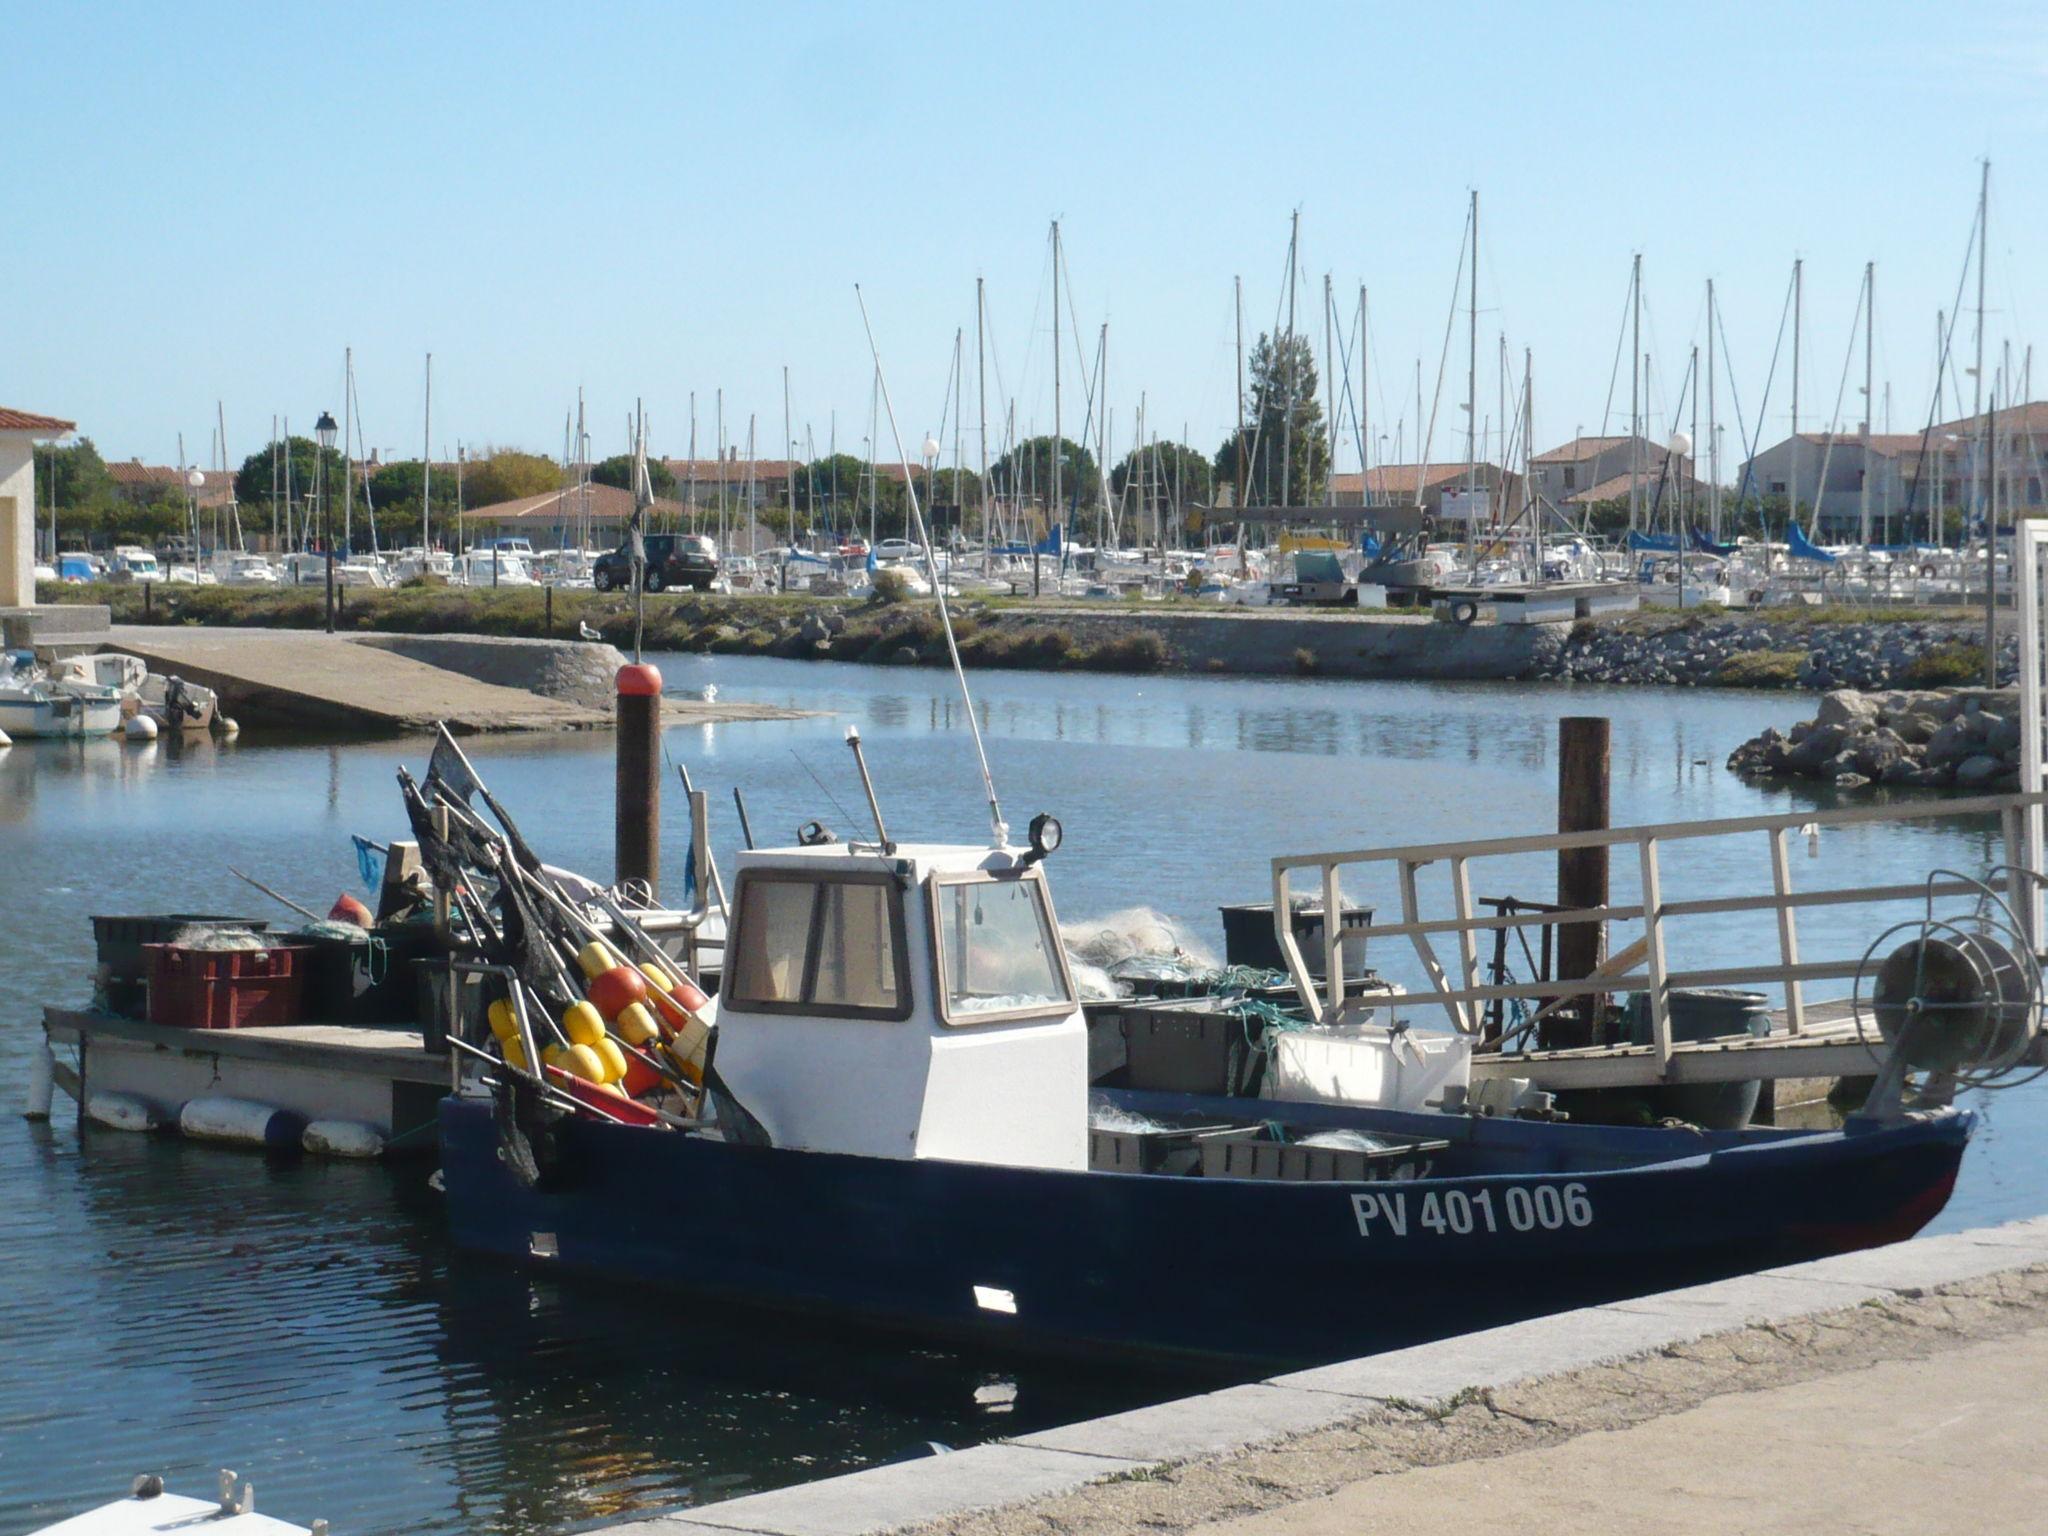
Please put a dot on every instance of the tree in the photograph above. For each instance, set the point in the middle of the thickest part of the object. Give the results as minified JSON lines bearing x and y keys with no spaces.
{"x":84,"y":490}
{"x":1282,"y":374}
{"x":1152,"y":480}
{"x":507,"y":474}
{"x":298,"y":456}
{"x":1026,"y":471}
{"x":618,"y":470}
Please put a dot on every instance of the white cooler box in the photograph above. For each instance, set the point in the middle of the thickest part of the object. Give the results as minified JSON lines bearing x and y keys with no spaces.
{"x":1366,"y":1065}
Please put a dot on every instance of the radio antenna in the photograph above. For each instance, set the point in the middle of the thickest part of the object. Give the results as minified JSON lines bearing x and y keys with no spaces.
{"x":997,"y":828}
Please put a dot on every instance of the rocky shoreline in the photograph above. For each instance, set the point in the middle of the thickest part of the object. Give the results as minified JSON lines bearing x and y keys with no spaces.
{"x":1957,"y":738}
{"x":1727,"y":652}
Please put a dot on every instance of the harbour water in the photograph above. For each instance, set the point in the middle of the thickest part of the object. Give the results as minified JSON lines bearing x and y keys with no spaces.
{"x":173,"y":1308}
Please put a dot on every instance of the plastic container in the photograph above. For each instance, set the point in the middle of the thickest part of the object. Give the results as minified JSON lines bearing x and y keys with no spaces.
{"x":224,"y":988}
{"x":123,"y":968}
{"x":1368,"y":1066}
{"x":367,"y":978}
{"x":1186,"y":1047}
{"x":1705,"y":1013}
{"x":1249,"y":939}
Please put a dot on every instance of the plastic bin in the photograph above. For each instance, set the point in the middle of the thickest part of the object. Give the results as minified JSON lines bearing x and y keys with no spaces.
{"x":124,"y":969}
{"x":1705,"y":1013}
{"x":1187,"y":1047}
{"x":368,"y":979}
{"x":224,"y":988}
{"x":1249,"y":939}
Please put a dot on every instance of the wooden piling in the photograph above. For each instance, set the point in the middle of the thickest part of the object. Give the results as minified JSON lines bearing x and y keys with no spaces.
{"x":637,"y":848}
{"x":1583,"y":757}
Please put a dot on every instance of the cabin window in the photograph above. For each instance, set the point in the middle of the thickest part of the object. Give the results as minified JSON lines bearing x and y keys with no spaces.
{"x":832,"y":947}
{"x":997,"y":952}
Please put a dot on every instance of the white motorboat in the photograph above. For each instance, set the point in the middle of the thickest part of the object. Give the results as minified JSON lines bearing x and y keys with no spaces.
{"x":492,"y":568}
{"x":361,"y":571}
{"x":148,"y":1509}
{"x":244,"y":570}
{"x":31,"y":707}
{"x":134,"y":563}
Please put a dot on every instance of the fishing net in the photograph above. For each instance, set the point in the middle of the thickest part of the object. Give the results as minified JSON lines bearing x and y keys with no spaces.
{"x":1135,"y":933}
{"x":200,"y":936}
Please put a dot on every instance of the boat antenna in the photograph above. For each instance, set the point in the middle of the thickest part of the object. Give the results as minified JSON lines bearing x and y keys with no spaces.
{"x":997,"y":829}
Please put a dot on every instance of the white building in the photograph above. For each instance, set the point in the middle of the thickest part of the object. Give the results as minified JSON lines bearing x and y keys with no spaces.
{"x":20,"y":431}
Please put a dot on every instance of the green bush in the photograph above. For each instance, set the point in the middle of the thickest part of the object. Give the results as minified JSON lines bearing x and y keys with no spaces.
{"x":1760,"y":669}
{"x":1959,"y":664}
{"x":1139,"y":651}
{"x":888,"y":587}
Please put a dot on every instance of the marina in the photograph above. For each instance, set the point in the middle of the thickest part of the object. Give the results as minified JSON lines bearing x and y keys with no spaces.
{"x":924,"y":848}
{"x":1242,"y":753}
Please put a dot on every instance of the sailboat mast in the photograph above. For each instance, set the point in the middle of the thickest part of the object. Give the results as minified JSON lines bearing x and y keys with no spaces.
{"x":427,"y":463}
{"x":1472,"y":383}
{"x":1363,"y":415}
{"x":1713,"y":433}
{"x":1057,"y":440}
{"x":981,"y":411}
{"x":276,"y":537}
{"x":1330,"y":383}
{"x":1798,"y":311}
{"x":1238,"y":457}
{"x":1976,"y":471}
{"x":1635,"y":393}
{"x":789,"y":468}
{"x":1869,"y":392}
{"x":348,"y":467}
{"x":1287,"y":371}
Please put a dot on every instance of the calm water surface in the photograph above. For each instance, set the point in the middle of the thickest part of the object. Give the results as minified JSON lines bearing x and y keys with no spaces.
{"x":171,"y":1307}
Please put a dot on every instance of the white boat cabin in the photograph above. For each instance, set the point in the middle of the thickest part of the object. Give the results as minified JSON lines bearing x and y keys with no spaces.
{"x":913,"y":1003}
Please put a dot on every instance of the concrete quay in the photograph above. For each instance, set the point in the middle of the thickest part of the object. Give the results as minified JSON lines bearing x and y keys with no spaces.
{"x":402,"y":683}
{"x":1884,"y":1391}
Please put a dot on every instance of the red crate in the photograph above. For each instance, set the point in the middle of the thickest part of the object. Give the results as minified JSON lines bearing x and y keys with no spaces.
{"x":224,"y":988}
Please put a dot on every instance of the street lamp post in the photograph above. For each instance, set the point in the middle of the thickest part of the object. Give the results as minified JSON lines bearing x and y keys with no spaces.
{"x":1680,"y":445}
{"x":323,"y":432}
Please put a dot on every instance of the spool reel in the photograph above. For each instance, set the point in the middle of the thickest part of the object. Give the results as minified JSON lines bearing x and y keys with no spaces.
{"x":1953,"y":998}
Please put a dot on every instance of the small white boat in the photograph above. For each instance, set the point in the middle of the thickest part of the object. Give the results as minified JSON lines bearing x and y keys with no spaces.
{"x":148,"y":1510}
{"x":245,"y":570}
{"x":32,"y":707}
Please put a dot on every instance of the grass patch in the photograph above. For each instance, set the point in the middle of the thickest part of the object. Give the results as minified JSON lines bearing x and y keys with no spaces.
{"x":1305,"y":662}
{"x":1140,"y":651}
{"x":1760,"y":669}
{"x":1958,"y":664}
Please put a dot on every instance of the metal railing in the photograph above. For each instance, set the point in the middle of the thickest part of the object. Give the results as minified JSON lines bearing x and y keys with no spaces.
{"x":1458,"y":987}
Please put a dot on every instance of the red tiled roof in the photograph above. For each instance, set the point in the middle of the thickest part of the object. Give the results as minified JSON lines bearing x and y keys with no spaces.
{"x":28,"y":421}
{"x":1615,"y":487}
{"x":1580,"y":449}
{"x":1399,"y":479}
{"x":729,"y":471}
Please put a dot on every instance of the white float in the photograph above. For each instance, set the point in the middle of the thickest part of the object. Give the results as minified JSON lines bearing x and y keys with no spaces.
{"x":226,"y":727}
{"x":42,"y":1079}
{"x":241,"y":1121}
{"x":343,"y":1138}
{"x":140,"y":728}
{"x":6,"y":740}
{"x":121,"y":1112}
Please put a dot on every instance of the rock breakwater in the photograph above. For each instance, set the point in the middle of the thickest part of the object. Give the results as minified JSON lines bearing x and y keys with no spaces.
{"x":1954,"y":738}
{"x":1765,"y":653}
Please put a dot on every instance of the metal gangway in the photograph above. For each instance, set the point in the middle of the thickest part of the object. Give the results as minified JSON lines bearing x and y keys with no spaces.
{"x":1809,"y":1040}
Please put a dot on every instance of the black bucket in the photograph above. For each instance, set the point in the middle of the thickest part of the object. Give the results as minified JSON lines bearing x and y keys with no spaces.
{"x":1705,"y":1013}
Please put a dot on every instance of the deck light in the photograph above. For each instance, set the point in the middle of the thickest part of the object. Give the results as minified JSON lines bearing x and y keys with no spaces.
{"x":1045,"y":837}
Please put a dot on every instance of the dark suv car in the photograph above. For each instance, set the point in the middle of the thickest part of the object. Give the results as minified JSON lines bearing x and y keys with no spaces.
{"x":673,"y":560}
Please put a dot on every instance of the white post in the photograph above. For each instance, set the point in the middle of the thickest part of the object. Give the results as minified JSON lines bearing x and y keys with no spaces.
{"x":2033,"y":536}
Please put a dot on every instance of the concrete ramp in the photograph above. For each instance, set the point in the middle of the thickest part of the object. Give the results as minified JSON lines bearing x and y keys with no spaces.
{"x":308,"y":678}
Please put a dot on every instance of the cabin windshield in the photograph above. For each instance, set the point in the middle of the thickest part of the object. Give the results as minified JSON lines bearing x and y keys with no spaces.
{"x":832,"y":947}
{"x":997,"y":953}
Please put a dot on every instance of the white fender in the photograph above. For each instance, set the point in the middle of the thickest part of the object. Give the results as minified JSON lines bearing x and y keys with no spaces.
{"x":242,"y":1121}
{"x":121,"y":1112}
{"x":42,"y":1078}
{"x":343,"y":1138}
{"x":140,"y":728}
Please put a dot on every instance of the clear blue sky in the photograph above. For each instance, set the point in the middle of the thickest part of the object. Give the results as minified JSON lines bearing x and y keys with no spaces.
{"x":211,"y":201}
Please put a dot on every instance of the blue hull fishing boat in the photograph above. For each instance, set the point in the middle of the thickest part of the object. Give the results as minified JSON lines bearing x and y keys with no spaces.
{"x":1512,"y":1220}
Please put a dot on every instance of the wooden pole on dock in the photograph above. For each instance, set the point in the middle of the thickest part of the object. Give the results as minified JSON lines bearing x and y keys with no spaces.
{"x":1582,"y":806}
{"x":637,"y":849}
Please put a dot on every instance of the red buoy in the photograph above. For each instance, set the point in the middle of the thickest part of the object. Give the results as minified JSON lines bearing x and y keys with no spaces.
{"x":639,"y":680}
{"x":347,"y":909}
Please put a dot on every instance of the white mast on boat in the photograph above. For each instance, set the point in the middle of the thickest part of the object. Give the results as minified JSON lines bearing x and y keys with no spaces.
{"x":1635,"y":393}
{"x":220,"y":417}
{"x":1057,"y":440}
{"x":1472,"y":391}
{"x":1798,"y":311}
{"x":276,"y":536}
{"x":1869,"y":395}
{"x":1287,"y":369}
{"x":1713,"y":432}
{"x":1239,"y":454}
{"x":1363,"y":414}
{"x":981,"y":397}
{"x":1976,"y":472}
{"x":1330,"y":386}
{"x":789,"y":467}
{"x":348,"y":466}
{"x":427,"y":464}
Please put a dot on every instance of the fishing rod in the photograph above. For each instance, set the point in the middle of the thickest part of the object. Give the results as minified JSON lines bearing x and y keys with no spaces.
{"x":998,"y":829}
